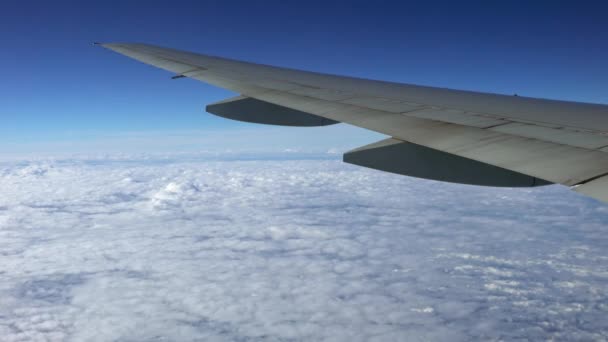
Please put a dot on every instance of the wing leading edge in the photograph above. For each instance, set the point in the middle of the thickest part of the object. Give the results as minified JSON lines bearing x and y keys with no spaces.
{"x":495,"y":139}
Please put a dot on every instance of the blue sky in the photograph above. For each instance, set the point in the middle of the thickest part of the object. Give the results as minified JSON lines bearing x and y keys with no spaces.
{"x":57,"y":87}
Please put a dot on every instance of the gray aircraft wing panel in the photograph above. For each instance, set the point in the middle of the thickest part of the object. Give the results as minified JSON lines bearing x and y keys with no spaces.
{"x":394,"y":97}
{"x":561,"y":142}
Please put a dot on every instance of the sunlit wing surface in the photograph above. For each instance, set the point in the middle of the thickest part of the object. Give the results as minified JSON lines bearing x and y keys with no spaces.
{"x":443,"y":134}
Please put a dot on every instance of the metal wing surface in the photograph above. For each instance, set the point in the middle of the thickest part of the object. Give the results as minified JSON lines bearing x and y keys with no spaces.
{"x":444,"y":134}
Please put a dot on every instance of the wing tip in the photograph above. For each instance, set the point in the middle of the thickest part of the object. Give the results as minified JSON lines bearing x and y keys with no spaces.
{"x":118,"y":45}
{"x":102,"y":44}
{"x":105,"y":45}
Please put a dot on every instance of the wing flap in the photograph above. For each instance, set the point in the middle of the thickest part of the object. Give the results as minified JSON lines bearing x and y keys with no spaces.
{"x":597,"y":188}
{"x":383,"y":104}
{"x":247,"y":109}
{"x":556,"y":135}
{"x":409,"y":159}
{"x":457,"y":117}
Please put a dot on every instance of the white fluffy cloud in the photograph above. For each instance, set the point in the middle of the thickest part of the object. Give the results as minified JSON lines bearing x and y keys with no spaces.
{"x":186,"y":249}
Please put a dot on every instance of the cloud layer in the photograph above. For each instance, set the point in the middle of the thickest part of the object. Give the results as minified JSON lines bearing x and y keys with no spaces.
{"x":291,"y":250}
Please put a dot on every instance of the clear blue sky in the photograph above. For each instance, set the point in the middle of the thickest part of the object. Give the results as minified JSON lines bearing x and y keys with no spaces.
{"x":56,"y":86}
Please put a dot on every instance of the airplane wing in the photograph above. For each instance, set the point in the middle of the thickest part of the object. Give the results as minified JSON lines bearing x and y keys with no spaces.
{"x":436,"y":133}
